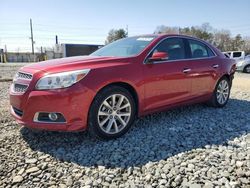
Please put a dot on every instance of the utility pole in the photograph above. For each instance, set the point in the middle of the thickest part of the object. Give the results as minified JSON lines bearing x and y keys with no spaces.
{"x":5,"y":48}
{"x":5,"y":55}
{"x":32,"y":40}
{"x":127,"y":29}
{"x":56,"y":39}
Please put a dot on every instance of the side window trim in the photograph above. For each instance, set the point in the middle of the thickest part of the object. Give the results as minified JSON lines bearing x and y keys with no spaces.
{"x":185,"y":43}
{"x":187,"y":48}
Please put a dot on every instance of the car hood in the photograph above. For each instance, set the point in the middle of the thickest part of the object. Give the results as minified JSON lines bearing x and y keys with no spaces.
{"x":78,"y":62}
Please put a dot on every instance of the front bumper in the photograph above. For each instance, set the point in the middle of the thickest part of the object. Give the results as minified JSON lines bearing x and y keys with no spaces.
{"x":73,"y":103}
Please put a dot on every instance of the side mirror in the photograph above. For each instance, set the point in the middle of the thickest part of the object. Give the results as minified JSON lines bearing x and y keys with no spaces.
{"x":158,"y":56}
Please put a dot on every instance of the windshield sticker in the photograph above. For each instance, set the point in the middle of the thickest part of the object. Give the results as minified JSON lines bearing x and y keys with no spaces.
{"x":145,"y":38}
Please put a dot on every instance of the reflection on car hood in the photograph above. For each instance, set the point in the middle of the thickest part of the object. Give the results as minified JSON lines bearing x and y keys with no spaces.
{"x":75,"y":62}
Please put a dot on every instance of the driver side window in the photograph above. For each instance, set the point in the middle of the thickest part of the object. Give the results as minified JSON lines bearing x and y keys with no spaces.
{"x":174,"y":47}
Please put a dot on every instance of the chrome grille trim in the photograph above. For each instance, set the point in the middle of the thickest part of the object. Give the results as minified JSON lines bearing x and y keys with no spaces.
{"x":21,"y":82}
{"x":24,"y":76}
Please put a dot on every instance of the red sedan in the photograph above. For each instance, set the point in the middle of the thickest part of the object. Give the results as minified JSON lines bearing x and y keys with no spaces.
{"x":105,"y":91}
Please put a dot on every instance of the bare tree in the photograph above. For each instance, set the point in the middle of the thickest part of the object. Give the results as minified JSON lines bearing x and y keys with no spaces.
{"x":222,"y":40}
{"x":246,"y":45}
{"x":162,"y":29}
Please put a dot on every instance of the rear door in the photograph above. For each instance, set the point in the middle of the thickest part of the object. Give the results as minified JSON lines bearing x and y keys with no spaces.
{"x":204,"y":67}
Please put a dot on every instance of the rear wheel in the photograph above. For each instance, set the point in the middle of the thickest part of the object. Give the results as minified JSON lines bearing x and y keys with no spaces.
{"x":221,"y":93}
{"x":247,"y":69}
{"x":112,"y":113}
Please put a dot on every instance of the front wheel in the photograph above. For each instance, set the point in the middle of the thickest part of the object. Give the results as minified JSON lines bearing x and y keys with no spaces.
{"x":112,"y":113}
{"x":221,"y":93}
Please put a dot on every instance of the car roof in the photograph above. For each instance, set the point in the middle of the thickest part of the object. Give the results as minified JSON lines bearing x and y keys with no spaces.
{"x":168,"y":35}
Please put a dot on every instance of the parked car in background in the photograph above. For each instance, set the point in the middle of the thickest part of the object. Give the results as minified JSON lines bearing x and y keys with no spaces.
{"x":242,"y":60}
{"x":104,"y":92}
{"x":237,"y":55}
{"x":244,"y":65}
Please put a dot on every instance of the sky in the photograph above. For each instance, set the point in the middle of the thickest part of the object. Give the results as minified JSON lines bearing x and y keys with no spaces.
{"x":89,"y":21}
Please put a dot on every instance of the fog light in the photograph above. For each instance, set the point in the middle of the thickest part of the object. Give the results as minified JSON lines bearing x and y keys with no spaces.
{"x":49,"y":117}
{"x":53,"y":116}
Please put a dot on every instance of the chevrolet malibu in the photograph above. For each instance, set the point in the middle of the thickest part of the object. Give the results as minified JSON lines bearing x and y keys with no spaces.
{"x":105,"y":91}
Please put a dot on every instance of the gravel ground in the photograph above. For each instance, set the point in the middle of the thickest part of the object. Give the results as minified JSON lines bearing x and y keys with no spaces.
{"x":195,"y":146}
{"x":8,"y":70}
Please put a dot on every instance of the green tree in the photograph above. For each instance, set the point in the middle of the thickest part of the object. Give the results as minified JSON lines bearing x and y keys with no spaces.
{"x":220,"y":38}
{"x":203,"y":32}
{"x":237,"y":43}
{"x":115,"y":34}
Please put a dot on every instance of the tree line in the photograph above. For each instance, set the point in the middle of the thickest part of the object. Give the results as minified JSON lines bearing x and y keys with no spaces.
{"x":222,"y":39}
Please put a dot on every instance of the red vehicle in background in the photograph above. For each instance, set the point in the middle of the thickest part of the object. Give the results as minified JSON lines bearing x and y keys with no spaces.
{"x":105,"y":91}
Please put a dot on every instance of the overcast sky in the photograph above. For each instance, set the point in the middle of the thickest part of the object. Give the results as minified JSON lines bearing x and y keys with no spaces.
{"x":88,"y":21}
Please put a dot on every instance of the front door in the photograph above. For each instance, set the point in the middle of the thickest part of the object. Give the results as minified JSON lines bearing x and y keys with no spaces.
{"x":167,"y":81}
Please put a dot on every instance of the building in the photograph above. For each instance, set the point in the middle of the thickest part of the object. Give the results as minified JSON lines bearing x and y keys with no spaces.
{"x":69,"y":50}
{"x":59,"y":51}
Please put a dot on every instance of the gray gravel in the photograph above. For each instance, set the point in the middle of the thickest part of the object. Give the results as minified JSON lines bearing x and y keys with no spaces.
{"x":195,"y":146}
{"x":8,"y":70}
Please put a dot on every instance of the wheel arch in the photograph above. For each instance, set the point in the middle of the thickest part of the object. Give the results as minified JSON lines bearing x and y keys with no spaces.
{"x":126,"y":86}
{"x":226,"y":75}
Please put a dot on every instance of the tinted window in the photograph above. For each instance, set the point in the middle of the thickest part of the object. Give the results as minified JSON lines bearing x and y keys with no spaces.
{"x":199,"y":50}
{"x":174,"y":47}
{"x":237,"y":54}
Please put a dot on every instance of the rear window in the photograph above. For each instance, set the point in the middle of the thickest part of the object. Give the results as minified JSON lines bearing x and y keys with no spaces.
{"x":199,"y":50}
{"x":237,"y":54}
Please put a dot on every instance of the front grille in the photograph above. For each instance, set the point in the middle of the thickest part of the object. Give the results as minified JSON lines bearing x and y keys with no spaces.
{"x":18,"y":112}
{"x":25,"y":76}
{"x":21,"y":82}
{"x":20,"y":88}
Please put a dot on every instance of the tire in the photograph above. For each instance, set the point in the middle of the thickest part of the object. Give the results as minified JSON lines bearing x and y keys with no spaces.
{"x":107,"y":120}
{"x":247,"y":69}
{"x":221,"y":93}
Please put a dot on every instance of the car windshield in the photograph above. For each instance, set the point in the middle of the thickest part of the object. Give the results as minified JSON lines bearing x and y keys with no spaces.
{"x":126,"y":47}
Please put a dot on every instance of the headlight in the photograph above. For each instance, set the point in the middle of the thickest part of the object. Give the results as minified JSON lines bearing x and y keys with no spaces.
{"x":61,"y":80}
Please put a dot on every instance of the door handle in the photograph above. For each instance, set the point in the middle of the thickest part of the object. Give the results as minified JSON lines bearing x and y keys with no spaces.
{"x":215,"y":66}
{"x":186,"y":70}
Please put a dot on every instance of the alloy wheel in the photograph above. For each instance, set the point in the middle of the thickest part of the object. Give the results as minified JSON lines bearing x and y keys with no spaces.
{"x":222,"y":93}
{"x":114,"y":114}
